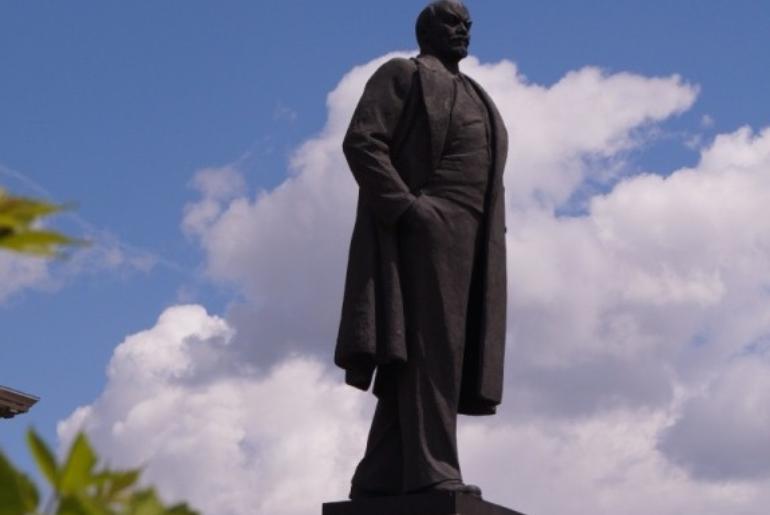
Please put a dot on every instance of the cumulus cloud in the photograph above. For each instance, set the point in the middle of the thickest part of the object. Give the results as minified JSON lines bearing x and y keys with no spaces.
{"x":722,"y":434}
{"x":235,"y":443}
{"x":216,"y":186}
{"x":659,"y":284}
{"x":286,"y":441}
{"x":568,"y":132}
{"x":605,"y":465}
{"x":633,"y":323}
{"x":286,"y":249}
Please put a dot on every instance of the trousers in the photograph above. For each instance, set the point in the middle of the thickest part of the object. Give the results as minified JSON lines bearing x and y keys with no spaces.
{"x":412,"y":443}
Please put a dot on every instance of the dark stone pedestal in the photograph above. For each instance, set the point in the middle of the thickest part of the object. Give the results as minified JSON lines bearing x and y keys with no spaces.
{"x":435,"y":503}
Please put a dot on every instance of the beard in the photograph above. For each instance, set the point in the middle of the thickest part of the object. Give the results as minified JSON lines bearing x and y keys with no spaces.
{"x":451,"y":50}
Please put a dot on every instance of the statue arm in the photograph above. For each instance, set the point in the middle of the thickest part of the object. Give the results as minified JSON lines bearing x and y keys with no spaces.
{"x":368,"y":142}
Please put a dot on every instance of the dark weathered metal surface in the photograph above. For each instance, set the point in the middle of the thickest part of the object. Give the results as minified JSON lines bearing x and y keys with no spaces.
{"x":425,"y":293}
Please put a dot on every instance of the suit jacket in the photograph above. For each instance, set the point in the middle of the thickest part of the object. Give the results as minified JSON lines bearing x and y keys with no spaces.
{"x":393,"y":145}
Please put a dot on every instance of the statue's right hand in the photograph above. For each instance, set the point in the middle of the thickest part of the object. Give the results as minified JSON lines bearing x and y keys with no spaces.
{"x":418,"y":211}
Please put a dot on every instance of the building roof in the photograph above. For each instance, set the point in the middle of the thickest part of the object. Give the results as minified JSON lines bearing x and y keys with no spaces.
{"x":14,"y":402}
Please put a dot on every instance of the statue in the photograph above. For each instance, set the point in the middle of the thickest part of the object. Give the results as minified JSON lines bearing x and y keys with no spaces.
{"x":424,"y":301}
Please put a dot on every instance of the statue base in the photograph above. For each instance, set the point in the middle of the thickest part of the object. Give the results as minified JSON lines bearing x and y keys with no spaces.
{"x":434,"y":503}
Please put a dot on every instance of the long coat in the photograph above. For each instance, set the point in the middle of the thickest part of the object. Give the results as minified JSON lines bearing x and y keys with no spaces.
{"x":392,"y":146}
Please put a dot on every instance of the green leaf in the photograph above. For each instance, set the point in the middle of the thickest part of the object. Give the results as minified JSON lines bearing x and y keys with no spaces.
{"x":21,"y":211}
{"x":78,"y":488}
{"x":81,"y":504}
{"x":70,"y":506}
{"x":114,"y":486}
{"x":146,"y":502}
{"x":122,"y":480}
{"x":18,"y":495}
{"x":76,"y":475}
{"x":18,"y":216}
{"x":44,"y":457}
{"x":181,"y":509}
{"x":41,"y":243}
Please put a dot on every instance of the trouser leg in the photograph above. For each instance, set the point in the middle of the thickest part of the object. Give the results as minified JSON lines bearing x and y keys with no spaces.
{"x":380,"y":470}
{"x":437,"y":263}
{"x":412,"y":443}
{"x":428,"y":395}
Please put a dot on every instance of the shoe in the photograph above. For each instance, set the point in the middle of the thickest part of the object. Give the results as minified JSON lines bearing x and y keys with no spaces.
{"x":453,"y":485}
{"x":470,"y":490}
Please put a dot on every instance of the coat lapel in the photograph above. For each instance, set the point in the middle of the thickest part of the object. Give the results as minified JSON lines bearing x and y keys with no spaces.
{"x":499,"y":132}
{"x":437,"y":95}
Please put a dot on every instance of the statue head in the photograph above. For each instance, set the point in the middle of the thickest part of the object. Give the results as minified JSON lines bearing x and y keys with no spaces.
{"x":443,"y":30}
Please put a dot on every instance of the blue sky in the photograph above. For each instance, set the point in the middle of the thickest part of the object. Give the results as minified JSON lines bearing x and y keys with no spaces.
{"x":115,"y":106}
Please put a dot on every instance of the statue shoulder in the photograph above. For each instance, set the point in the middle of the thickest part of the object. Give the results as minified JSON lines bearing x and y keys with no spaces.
{"x":398,"y":72}
{"x":398,"y":67}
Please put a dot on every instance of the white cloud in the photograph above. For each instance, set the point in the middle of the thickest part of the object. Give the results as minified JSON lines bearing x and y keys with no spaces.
{"x":286,"y":441}
{"x":632,"y":325}
{"x":660,"y":283}
{"x":722,"y":434}
{"x":556,"y":133}
{"x":603,"y":465}
{"x":216,"y":186}
{"x":286,"y":249}
{"x":234,"y":443}
{"x":20,"y":272}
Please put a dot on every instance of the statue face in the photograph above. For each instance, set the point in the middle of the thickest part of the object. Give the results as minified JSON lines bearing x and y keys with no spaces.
{"x":449,"y":34}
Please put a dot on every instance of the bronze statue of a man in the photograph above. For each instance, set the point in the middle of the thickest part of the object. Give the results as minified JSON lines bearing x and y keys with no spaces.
{"x":425,"y":289}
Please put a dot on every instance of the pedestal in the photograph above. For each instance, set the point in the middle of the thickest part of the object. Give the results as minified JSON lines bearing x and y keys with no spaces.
{"x":435,"y":503}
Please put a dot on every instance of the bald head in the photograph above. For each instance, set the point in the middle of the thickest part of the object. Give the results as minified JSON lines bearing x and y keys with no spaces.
{"x":443,"y":30}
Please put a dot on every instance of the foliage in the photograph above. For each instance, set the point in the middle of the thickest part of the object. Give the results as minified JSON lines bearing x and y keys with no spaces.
{"x":18,"y":226}
{"x":78,"y":487}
